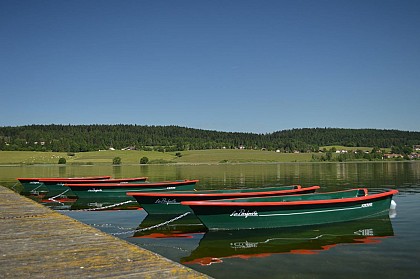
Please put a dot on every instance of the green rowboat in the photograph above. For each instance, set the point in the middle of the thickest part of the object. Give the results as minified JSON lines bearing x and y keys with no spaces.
{"x":118,"y":190}
{"x":291,"y":211}
{"x":57,"y":188}
{"x":34,"y":186}
{"x":170,"y":202}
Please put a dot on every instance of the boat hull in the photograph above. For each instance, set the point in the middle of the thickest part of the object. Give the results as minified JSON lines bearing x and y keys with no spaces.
{"x":170,"y":202}
{"x":33,"y":188}
{"x":247,"y":216}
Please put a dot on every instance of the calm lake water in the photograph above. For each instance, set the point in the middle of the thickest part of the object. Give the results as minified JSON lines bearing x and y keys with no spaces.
{"x":375,"y":248}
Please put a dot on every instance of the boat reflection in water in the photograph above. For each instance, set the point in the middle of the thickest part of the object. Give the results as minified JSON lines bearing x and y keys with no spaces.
{"x":55,"y":204}
{"x":169,"y":226}
{"x":218,"y":245}
{"x":169,"y":235}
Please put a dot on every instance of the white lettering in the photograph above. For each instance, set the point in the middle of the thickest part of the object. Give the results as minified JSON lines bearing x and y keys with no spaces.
{"x":165,"y":201}
{"x":244,"y":213}
{"x":367,"y":205}
{"x":243,"y":245}
{"x":95,"y":190}
{"x":365,"y":232}
{"x":95,"y":204}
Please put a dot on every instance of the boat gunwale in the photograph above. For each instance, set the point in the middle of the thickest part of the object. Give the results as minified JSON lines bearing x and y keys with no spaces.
{"x":241,"y":194}
{"x":227,"y":203}
{"x":99,"y":180}
{"x":133,"y":185}
{"x":89,"y":178}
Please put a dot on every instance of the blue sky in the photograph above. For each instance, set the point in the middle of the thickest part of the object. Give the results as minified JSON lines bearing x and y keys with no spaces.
{"x":238,"y":66}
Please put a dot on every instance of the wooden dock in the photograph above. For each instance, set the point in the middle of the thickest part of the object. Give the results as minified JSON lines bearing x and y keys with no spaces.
{"x":37,"y":242}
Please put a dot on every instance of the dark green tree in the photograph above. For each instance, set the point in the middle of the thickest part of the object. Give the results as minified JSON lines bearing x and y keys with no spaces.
{"x":144,"y":160}
{"x":116,"y":161}
{"x":81,"y":138}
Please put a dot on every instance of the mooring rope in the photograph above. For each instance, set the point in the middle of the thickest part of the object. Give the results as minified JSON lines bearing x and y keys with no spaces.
{"x":154,"y":226}
{"x":59,"y":195}
{"x":52,"y":199}
{"x":33,"y":191}
{"x":111,"y":226}
{"x":13,"y":187}
{"x":94,"y":209}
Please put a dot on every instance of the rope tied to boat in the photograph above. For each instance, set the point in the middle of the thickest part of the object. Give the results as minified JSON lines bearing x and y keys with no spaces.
{"x":13,"y":187}
{"x":59,"y":195}
{"x":34,"y":190}
{"x":154,"y":226}
{"x":94,"y":209}
{"x":97,"y":208}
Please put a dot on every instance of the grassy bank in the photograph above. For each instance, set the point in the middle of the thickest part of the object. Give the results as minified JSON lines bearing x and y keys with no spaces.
{"x":133,"y":157}
{"x":212,"y":156}
{"x":240,"y":156}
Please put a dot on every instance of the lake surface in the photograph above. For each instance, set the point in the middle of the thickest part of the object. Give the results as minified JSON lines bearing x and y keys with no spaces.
{"x":375,"y":248}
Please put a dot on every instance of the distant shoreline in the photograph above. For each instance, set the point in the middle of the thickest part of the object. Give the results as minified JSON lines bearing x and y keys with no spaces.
{"x":191,"y":157}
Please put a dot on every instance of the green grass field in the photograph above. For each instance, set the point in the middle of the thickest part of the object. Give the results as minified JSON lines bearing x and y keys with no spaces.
{"x":212,"y":156}
{"x":133,"y":157}
{"x":340,"y":147}
{"x":240,"y":156}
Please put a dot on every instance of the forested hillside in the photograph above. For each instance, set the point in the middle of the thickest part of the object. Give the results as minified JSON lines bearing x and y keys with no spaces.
{"x":79,"y":138}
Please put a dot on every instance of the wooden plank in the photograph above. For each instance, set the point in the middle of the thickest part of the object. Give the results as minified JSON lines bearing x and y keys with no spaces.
{"x":37,"y":242}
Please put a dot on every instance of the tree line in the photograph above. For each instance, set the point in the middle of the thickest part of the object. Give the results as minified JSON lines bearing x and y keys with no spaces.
{"x":81,"y":138}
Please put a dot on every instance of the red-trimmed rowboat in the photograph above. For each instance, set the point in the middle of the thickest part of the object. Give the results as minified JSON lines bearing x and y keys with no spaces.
{"x":290,"y":211}
{"x":29,"y":179}
{"x":55,"y":187}
{"x":33,"y":184}
{"x":170,"y":202}
{"x":100,"y":180}
{"x":117,"y":190}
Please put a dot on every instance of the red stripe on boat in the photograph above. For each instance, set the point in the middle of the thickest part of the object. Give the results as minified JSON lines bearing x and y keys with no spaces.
{"x":327,"y":201}
{"x":239,"y":194}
